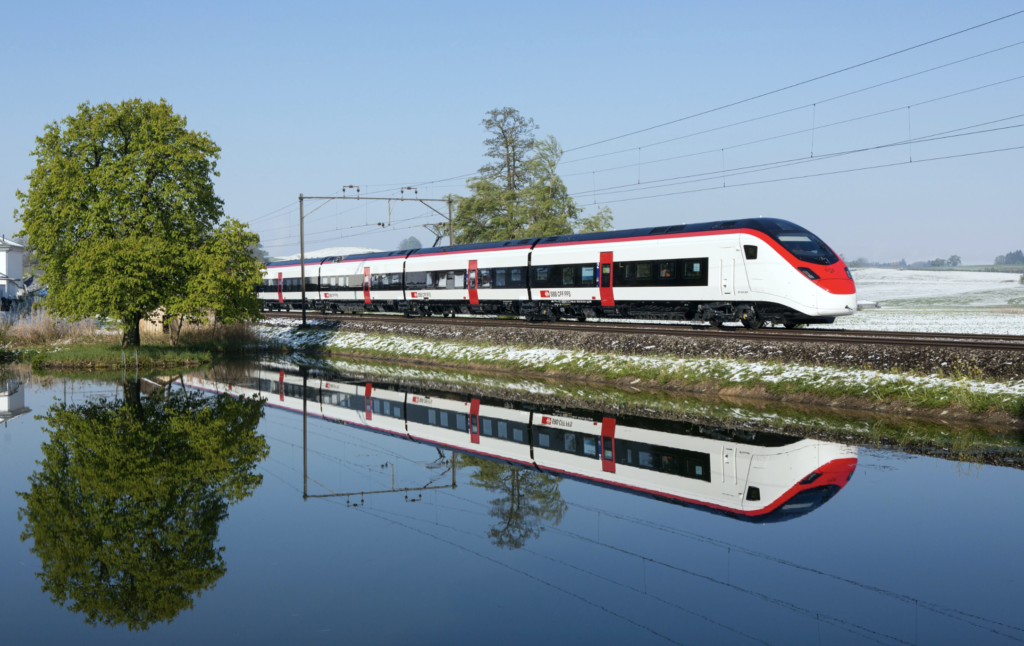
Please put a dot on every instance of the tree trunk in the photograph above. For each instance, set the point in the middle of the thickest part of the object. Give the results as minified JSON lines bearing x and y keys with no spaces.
{"x":132,"y":337}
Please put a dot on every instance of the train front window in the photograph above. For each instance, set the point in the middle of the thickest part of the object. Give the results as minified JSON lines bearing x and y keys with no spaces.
{"x":807,"y":247}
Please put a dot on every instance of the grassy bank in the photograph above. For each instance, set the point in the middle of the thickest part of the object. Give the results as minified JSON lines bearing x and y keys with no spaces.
{"x":55,"y":344}
{"x":956,"y":390}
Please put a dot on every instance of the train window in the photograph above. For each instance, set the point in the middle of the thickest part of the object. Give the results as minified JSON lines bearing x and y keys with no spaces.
{"x":588,"y":276}
{"x":629,"y":456}
{"x":499,"y":277}
{"x":629,"y":271}
{"x":543,"y":439}
{"x":567,"y":276}
{"x":460,"y":421}
{"x":643,"y":271}
{"x":753,"y":493}
{"x":517,"y":434}
{"x":444,"y":418}
{"x":543,"y":275}
{"x":441,"y":280}
{"x":589,"y":446}
{"x":396,"y":281}
{"x":570,"y":442}
{"x":646,"y":459}
{"x":386,"y":408}
{"x":691,"y":269}
{"x":667,"y":269}
{"x":488,"y":430}
{"x":485,"y":279}
{"x":376,"y":405}
{"x":516,"y":277}
{"x":459,"y":279}
{"x":807,"y":247}
{"x":417,"y":279}
{"x":607,"y":446}
{"x":750,"y":251}
{"x":503,"y":430}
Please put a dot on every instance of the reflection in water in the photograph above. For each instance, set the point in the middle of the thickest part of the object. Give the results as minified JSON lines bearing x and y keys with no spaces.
{"x":753,"y":476}
{"x":525,"y":500}
{"x":125,"y":507}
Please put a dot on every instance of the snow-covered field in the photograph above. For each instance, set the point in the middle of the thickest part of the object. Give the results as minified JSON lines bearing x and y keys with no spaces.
{"x":933,"y":301}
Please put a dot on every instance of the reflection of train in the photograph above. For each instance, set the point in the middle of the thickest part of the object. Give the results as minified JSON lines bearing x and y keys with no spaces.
{"x":753,"y":271}
{"x":749,"y":475}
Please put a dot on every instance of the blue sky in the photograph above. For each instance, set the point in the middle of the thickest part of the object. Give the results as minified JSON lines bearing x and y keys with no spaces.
{"x":307,"y":97}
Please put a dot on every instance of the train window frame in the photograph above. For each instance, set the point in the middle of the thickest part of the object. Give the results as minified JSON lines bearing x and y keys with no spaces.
{"x":500,"y":278}
{"x":588,"y":281}
{"x":590,"y":445}
{"x":643,"y":271}
{"x":666,"y":270}
{"x":459,"y":279}
{"x":544,"y":440}
{"x":517,"y":434}
{"x":487,"y":427}
{"x":444,"y":418}
{"x":484,"y":278}
{"x":543,"y":275}
{"x":516,"y":277}
{"x":567,"y":276}
{"x":569,"y":442}
{"x":750,"y":251}
{"x":502,"y":430}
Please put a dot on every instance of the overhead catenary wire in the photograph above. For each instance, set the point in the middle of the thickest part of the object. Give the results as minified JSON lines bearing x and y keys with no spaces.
{"x":789,"y":161}
{"x":798,"y":84}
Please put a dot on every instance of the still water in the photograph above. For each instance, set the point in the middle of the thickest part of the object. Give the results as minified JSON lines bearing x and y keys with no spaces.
{"x":183,"y":511}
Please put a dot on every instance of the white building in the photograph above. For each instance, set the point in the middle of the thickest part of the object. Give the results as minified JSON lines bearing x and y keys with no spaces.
{"x":10,"y":267}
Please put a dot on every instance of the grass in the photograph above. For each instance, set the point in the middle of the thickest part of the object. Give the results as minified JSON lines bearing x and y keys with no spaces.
{"x":99,"y":356}
{"x":959,"y":389}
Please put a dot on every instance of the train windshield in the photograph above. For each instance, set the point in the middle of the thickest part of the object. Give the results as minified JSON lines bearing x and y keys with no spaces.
{"x":807,"y":247}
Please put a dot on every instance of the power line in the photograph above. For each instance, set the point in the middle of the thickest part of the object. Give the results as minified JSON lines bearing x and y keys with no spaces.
{"x":788,"y":110}
{"x":791,"y":86}
{"x":838,"y":172}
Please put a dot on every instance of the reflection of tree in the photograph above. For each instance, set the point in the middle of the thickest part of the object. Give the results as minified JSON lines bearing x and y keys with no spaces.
{"x":526,"y":498}
{"x":125,"y":507}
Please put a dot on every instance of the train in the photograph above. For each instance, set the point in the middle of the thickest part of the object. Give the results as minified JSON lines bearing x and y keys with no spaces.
{"x":753,"y":476}
{"x":754,"y":271}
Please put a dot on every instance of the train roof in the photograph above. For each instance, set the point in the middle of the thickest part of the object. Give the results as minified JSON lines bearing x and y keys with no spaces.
{"x":766,"y":225}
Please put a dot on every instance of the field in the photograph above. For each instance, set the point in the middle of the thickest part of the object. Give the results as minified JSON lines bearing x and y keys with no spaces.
{"x":933,"y":301}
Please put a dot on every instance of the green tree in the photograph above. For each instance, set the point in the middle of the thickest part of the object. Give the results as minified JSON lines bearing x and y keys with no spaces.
{"x":954,"y":261}
{"x":124,"y":509}
{"x":519,"y":193}
{"x":122,"y":213}
{"x":525,"y":500}
{"x":412,"y":242}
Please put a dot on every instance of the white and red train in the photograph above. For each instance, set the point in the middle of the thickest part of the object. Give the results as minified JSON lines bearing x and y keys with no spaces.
{"x":755,"y":271}
{"x":753,"y":476}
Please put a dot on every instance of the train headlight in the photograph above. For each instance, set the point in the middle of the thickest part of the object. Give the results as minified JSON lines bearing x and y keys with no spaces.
{"x":807,"y":272}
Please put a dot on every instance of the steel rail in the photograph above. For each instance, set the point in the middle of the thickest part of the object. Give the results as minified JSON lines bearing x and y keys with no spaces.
{"x":809,"y":335}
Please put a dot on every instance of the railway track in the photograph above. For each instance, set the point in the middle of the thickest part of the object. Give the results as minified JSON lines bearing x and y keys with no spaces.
{"x":809,"y":335}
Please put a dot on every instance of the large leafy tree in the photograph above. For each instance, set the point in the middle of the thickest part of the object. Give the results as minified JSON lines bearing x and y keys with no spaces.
{"x":525,"y":500}
{"x":519,"y":193}
{"x":124,"y":509}
{"x":123,"y":217}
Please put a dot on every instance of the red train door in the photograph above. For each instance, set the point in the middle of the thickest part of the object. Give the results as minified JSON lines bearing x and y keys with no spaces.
{"x":366,"y":285}
{"x":474,"y":419}
{"x":607,"y":295}
{"x":473,"y":299}
{"x":608,"y":444}
{"x":368,"y":402}
{"x":280,"y":288}
{"x":280,"y":385}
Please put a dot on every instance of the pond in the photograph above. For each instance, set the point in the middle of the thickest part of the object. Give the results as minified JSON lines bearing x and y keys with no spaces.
{"x":277,"y":503}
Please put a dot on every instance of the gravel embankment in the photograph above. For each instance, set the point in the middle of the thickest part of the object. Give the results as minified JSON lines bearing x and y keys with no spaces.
{"x":975,"y":364}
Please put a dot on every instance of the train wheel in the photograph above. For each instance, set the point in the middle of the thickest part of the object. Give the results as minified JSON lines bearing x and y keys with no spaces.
{"x":715,"y":323}
{"x":752,"y":324}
